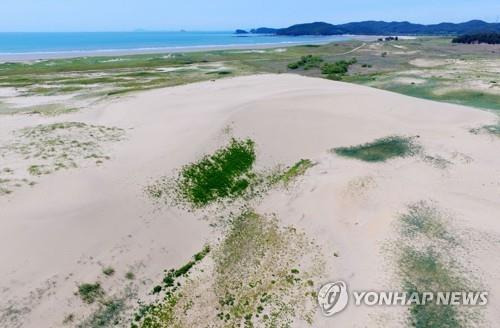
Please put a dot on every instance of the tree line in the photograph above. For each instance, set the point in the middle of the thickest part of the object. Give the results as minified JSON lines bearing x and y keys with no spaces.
{"x":487,"y":37}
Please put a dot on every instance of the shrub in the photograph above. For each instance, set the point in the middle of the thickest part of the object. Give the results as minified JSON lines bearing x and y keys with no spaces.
{"x":307,"y":62}
{"x":338,"y":68}
{"x":157,"y":289}
{"x":89,"y":293}
{"x":108,"y":271}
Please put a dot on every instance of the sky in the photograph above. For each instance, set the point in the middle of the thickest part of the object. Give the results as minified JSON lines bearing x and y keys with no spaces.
{"x":127,"y":15}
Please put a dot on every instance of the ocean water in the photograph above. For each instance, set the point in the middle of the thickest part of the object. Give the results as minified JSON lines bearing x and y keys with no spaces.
{"x":40,"y":43}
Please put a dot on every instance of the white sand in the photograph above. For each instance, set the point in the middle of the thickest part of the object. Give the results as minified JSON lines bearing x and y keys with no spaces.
{"x":71,"y":224}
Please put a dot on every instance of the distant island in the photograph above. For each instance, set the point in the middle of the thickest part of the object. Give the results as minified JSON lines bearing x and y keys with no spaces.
{"x":382,"y":28}
{"x":475,"y":38}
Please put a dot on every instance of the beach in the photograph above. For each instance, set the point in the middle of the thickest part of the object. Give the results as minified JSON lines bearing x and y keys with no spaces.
{"x":62,"y":231}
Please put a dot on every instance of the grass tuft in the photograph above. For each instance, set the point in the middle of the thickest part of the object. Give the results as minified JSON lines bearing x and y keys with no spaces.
{"x":89,"y":293}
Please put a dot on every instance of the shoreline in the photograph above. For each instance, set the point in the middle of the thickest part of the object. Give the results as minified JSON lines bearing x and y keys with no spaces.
{"x":33,"y":56}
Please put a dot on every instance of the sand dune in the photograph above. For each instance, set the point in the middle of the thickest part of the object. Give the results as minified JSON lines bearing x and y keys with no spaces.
{"x":65,"y":229}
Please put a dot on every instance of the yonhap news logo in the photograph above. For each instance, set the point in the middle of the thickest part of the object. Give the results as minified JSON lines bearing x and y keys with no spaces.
{"x":333,"y":297}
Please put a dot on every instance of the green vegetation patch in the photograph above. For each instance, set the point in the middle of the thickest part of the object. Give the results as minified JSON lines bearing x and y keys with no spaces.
{"x":467,"y":97}
{"x":225,"y":174}
{"x":47,"y":109}
{"x":426,"y":262}
{"x":291,"y":173}
{"x":37,"y":170}
{"x":108,"y":271}
{"x":336,"y":70}
{"x":306,"y":62}
{"x":8,"y":184}
{"x":493,"y":129}
{"x":107,"y":315}
{"x":437,"y":161}
{"x":219,"y":72}
{"x":261,"y":275}
{"x":89,"y":293}
{"x":47,"y":148}
{"x":427,"y":271}
{"x":332,"y":70}
{"x":380,"y":150}
{"x":162,"y":312}
{"x":424,"y":219}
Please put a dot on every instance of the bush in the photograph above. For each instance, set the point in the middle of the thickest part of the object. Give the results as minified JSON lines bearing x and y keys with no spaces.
{"x":307,"y":62}
{"x":157,"y":289}
{"x":337,"y":68}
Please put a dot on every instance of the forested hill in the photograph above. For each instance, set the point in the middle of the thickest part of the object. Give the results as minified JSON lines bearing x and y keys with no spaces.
{"x":383,"y":28}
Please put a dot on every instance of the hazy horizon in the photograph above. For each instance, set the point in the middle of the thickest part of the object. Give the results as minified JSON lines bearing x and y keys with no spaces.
{"x":195,"y":15}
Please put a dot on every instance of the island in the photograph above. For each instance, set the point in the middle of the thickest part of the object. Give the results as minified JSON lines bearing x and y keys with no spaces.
{"x":382,"y":28}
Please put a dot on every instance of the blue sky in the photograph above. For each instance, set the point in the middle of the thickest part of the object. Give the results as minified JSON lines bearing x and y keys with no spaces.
{"x":126,"y":15}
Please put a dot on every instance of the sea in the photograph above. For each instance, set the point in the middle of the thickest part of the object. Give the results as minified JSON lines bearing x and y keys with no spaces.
{"x":21,"y":43}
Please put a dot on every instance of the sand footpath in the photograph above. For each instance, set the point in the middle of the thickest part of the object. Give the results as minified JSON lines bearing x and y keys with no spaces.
{"x":74,"y":222}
